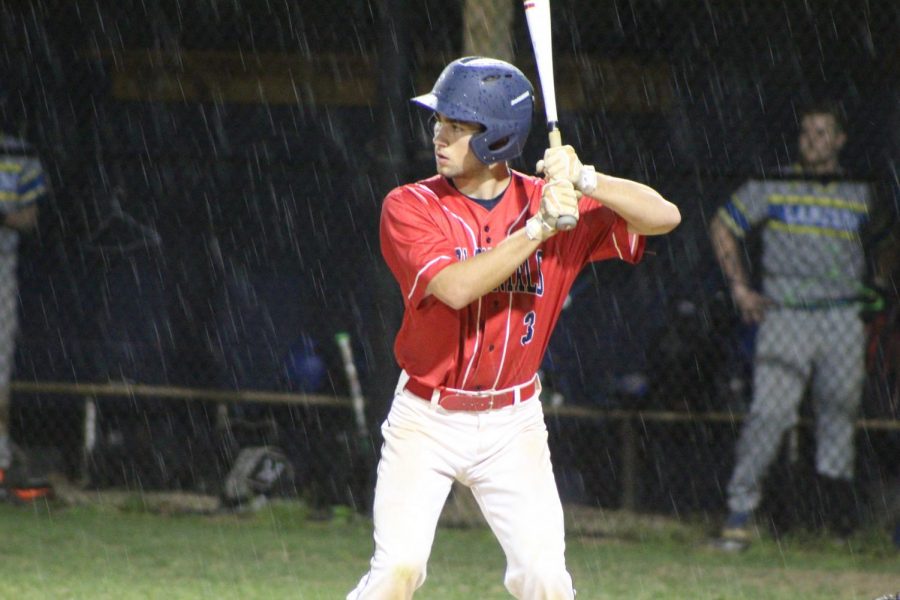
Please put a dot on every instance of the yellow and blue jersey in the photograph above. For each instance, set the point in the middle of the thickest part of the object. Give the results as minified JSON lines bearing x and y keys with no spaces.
{"x":811,"y":230}
{"x":22,"y":184}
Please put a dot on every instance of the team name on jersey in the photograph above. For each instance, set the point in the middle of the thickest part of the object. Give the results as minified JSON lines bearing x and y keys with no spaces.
{"x":824,"y":213}
{"x":526,"y":279}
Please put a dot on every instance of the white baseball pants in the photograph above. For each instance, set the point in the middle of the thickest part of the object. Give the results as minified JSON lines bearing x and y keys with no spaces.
{"x":503,"y":456}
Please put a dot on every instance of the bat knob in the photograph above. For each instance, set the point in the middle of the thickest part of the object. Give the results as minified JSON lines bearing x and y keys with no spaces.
{"x":566,"y":222}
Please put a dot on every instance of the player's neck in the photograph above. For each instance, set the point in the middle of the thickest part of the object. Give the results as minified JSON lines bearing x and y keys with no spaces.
{"x":829,"y":167}
{"x":486,"y":183}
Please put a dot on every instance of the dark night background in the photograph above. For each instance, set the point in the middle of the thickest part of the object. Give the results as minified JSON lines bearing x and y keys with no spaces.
{"x":217,"y":172}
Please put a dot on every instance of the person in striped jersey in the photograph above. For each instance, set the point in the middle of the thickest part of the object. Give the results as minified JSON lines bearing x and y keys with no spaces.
{"x":810,"y":217}
{"x":23,"y":184}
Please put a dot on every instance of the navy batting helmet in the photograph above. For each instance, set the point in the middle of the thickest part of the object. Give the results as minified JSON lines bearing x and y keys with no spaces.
{"x":492,"y":93}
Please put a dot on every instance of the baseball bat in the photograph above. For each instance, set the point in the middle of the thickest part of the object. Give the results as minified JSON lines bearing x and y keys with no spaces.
{"x":357,"y":399}
{"x":537,"y":15}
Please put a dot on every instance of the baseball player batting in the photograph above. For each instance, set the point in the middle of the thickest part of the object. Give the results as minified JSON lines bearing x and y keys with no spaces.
{"x":484,"y":272}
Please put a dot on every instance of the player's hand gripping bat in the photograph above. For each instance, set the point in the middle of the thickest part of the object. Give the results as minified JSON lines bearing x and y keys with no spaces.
{"x":537,"y":14}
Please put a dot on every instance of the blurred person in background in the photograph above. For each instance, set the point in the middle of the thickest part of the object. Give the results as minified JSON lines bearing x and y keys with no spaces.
{"x":22,"y":185}
{"x":811,"y":218}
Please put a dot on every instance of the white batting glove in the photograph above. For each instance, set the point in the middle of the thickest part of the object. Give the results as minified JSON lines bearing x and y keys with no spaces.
{"x":563,"y":163}
{"x":558,"y":198}
{"x":537,"y":229}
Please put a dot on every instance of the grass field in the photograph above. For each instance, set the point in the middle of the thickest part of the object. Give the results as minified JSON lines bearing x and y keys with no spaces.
{"x":100,"y":551}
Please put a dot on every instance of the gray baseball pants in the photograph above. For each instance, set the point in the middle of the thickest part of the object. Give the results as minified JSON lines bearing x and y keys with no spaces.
{"x":825,"y":347}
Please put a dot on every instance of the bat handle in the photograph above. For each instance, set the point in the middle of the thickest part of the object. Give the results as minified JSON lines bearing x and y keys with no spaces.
{"x":554,"y":135}
{"x":565,"y":222}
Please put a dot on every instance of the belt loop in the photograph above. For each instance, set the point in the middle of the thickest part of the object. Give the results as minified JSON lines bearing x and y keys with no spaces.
{"x":436,"y":398}
{"x":401,"y":384}
{"x":517,"y":396}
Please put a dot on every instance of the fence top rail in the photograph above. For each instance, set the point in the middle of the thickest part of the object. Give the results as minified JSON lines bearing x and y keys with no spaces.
{"x":177,"y":393}
{"x":187,"y":393}
{"x":671,"y":416}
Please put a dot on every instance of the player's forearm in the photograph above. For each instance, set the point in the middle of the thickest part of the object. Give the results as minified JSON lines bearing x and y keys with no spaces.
{"x":23,"y":220}
{"x":727,"y":251}
{"x":463,"y":282}
{"x":642,"y":207}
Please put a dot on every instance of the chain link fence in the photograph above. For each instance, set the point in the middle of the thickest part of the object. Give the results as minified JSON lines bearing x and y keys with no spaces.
{"x":217,"y":170}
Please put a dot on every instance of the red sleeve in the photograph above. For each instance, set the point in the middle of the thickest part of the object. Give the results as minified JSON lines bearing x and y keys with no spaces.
{"x":601,"y":234}
{"x":414,"y":240}
{"x":612,"y":238}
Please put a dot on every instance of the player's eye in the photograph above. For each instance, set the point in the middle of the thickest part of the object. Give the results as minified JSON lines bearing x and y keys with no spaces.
{"x":455,"y":128}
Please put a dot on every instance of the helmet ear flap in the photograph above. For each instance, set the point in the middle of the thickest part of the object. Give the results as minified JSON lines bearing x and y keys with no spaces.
{"x":487,"y":149}
{"x":499,"y":144}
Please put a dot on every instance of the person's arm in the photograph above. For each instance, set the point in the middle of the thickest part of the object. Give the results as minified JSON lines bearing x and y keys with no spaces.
{"x":887,"y":261}
{"x":642,"y":207}
{"x":23,"y":220}
{"x":31,"y":187}
{"x":881,"y":238}
{"x":727,"y":249}
{"x":461,"y":283}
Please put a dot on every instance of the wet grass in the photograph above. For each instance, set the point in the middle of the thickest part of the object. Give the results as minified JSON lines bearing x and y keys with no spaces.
{"x":97,"y":552}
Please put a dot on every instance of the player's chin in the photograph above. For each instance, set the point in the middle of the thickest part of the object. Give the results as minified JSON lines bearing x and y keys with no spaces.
{"x":445,"y":168}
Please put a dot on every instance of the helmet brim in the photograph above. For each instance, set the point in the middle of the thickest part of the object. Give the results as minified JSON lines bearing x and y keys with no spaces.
{"x":427,"y":100}
{"x":448,"y":109}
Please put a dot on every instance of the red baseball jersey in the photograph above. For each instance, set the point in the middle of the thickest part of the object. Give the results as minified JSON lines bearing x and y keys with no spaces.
{"x":497,"y":341}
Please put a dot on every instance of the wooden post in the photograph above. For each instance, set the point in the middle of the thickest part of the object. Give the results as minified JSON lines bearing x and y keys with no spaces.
{"x":88,"y":440}
{"x":487,"y":28}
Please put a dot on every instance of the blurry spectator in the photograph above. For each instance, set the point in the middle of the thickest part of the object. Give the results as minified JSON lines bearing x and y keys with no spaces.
{"x":810,"y":217}
{"x":22,"y":185}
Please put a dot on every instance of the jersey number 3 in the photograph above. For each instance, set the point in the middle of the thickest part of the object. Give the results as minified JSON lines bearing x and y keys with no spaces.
{"x":529,"y":327}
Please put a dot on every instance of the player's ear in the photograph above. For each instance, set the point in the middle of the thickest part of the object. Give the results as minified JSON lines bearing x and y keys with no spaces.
{"x":840,"y":139}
